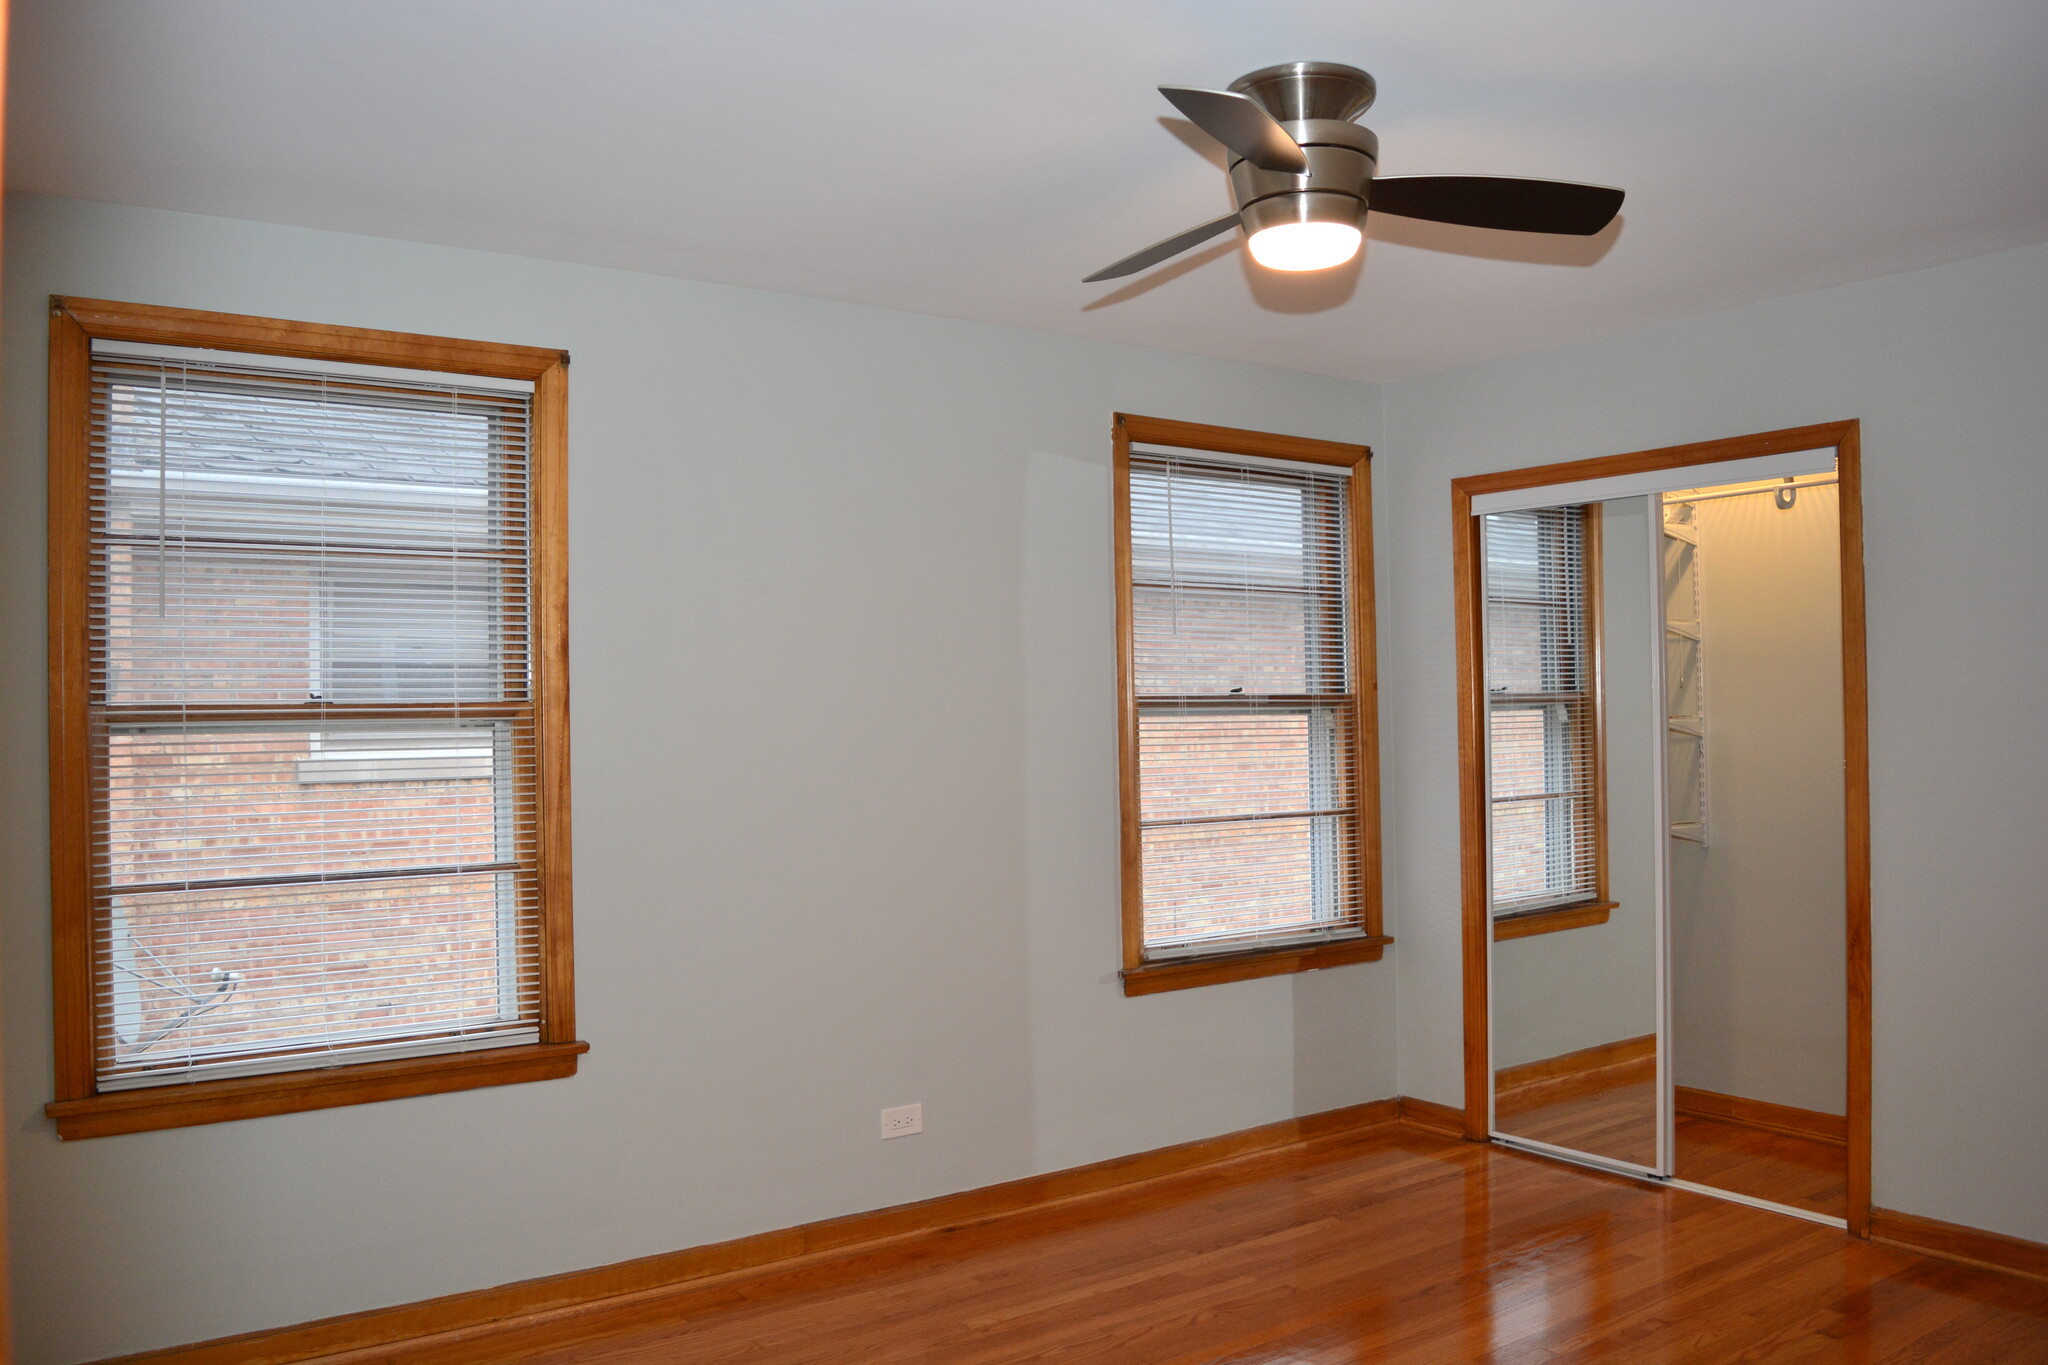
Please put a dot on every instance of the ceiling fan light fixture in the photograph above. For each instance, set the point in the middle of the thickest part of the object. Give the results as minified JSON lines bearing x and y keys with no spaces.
{"x":1303,"y":231}
{"x":1305,"y":246}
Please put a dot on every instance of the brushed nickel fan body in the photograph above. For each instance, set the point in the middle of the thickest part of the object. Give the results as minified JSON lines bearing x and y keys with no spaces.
{"x":1297,"y":157}
{"x":1314,"y":103}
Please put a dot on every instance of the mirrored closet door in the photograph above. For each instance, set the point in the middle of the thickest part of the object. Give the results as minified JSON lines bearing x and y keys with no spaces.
{"x":1656,"y":665}
{"x":1572,"y":741}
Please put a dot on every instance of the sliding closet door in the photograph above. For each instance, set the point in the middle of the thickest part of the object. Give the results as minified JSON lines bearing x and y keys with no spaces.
{"x":1574,"y":746}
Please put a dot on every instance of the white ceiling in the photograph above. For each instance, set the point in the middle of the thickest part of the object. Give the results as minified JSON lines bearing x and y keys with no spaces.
{"x":976,"y":160}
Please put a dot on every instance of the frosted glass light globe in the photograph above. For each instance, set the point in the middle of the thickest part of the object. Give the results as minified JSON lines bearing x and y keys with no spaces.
{"x":1305,"y":246}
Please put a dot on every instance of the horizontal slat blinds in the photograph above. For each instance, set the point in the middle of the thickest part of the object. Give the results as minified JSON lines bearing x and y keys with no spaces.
{"x":1248,"y":744}
{"x":313,"y":733}
{"x":1541,"y":726}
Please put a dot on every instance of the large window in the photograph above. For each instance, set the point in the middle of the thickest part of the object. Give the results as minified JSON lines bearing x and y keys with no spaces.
{"x":1250,"y":813}
{"x":1543,"y":713}
{"x":310,"y":842}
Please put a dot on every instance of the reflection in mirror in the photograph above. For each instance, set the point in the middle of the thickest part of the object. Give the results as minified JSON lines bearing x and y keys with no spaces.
{"x":1573,"y":720}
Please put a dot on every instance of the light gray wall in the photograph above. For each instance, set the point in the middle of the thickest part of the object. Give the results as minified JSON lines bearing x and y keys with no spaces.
{"x":845,"y":792}
{"x":1948,"y":370}
{"x":1577,"y":988}
{"x":798,"y":903}
{"x":1759,"y":981}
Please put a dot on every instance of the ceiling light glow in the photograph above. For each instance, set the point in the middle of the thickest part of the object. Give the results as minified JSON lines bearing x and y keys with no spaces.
{"x":1305,"y":246}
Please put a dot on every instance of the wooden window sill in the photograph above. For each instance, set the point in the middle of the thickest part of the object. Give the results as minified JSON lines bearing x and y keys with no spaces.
{"x":248,"y":1097}
{"x":1552,"y":920}
{"x":1154,"y":977}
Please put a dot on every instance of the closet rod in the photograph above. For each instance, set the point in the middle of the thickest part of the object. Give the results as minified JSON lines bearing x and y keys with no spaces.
{"x":1672,"y":499}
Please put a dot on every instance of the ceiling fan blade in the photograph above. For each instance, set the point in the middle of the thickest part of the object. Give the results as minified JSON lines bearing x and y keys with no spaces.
{"x":1240,"y":125}
{"x":1159,"y":251}
{"x":1499,"y":201}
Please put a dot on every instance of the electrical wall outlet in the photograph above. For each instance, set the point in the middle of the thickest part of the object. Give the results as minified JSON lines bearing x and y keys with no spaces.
{"x":903,"y":1120}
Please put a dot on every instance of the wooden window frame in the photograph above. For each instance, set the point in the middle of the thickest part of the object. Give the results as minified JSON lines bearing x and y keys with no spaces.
{"x":1593,"y":909}
{"x":1138,"y":976}
{"x":80,"y":1109}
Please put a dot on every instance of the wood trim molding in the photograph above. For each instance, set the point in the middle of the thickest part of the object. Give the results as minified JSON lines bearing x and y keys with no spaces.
{"x":1667,"y":457}
{"x":1956,"y":1242}
{"x":1131,"y":840}
{"x":1165,"y":431}
{"x":1551,"y":921}
{"x":6,"y":1274}
{"x":1476,"y":909}
{"x":1846,"y":440}
{"x":1138,"y":976}
{"x":75,"y":819}
{"x":1856,"y":817}
{"x":1432,"y":1117}
{"x":550,"y":607}
{"x":1593,"y":591}
{"x":390,"y":1328}
{"x":312,"y":340}
{"x":72,"y":811}
{"x":1365,"y":692}
{"x":1154,"y":977}
{"x":1772,"y":1118}
{"x":291,"y":1092}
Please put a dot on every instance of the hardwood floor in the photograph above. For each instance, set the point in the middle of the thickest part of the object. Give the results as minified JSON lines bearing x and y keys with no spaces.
{"x":1391,"y":1245}
{"x":1802,"y":1172}
{"x":1612,"y":1112}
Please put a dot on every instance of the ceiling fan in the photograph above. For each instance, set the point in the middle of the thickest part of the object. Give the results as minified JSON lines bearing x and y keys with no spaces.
{"x":1303,"y":175}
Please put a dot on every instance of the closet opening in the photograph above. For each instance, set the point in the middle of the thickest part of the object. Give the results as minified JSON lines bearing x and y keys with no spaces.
{"x":1665,"y":817}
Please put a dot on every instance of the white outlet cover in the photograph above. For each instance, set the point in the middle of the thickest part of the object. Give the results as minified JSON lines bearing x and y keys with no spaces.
{"x":903,"y":1120}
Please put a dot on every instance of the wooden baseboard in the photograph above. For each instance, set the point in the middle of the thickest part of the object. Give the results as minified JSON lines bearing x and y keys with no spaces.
{"x":388,"y":1327}
{"x":393,"y":1327}
{"x":1955,"y":1242}
{"x":1775,"y":1118}
{"x":1572,"y":1065}
{"x":1432,"y":1117}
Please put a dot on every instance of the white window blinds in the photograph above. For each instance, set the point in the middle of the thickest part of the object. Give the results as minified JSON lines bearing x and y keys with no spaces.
{"x":1248,"y":745}
{"x":313,"y":730}
{"x":1542,"y":729}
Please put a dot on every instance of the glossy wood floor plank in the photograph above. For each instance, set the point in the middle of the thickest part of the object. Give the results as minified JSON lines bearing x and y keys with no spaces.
{"x":1392,"y":1246}
{"x":1803,"y":1172}
{"x":1612,"y":1113}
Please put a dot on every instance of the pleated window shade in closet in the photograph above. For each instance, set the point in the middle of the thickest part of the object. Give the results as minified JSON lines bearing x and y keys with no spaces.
{"x":312,"y":715}
{"x":1248,"y":742}
{"x":1542,"y":725}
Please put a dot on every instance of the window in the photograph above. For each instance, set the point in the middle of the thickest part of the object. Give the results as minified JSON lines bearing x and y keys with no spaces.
{"x":1250,"y":800}
{"x":1546,"y":783}
{"x":308,"y":768}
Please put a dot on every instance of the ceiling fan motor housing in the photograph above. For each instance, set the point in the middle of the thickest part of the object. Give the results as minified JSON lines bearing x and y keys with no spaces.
{"x":1315,"y":102}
